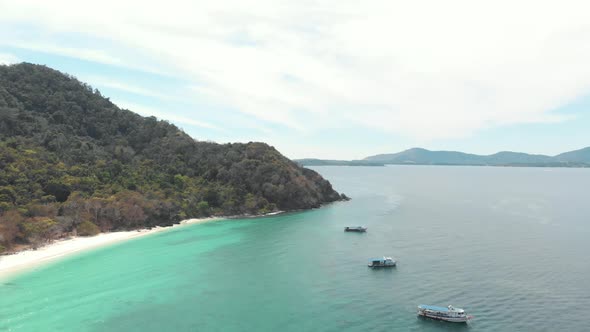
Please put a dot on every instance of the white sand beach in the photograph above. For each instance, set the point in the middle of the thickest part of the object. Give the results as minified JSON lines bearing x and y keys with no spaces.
{"x":24,"y":260}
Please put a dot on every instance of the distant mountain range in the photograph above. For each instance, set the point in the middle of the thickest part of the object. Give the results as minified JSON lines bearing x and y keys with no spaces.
{"x":419,"y":156}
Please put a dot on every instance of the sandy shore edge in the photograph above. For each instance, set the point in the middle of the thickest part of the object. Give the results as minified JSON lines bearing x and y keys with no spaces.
{"x":28,"y":259}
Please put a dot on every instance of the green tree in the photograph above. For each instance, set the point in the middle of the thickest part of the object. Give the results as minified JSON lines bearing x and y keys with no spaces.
{"x":87,"y":228}
{"x":203,"y":208}
{"x":9,"y":227}
{"x":38,"y":230}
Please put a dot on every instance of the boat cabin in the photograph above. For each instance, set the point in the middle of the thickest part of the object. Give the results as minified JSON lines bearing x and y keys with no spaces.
{"x":382,"y":262}
{"x":450,"y":313}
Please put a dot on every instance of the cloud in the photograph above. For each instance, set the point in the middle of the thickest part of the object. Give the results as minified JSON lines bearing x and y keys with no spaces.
{"x":7,"y":59}
{"x":93,"y":55}
{"x":134,"y":89}
{"x":421,"y":69}
{"x":178,"y":119}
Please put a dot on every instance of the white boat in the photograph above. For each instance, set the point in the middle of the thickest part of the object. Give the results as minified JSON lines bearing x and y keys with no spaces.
{"x":449,"y":314}
{"x":382,"y":262}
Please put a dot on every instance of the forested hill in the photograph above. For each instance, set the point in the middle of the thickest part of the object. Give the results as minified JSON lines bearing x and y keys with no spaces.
{"x":73,"y":162}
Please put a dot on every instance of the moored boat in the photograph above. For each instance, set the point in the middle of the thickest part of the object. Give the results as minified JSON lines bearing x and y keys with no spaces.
{"x":449,"y":314}
{"x":382,"y":262}
{"x":355,"y":229}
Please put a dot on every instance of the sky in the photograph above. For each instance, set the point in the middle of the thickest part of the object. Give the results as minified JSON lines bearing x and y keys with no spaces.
{"x":329,"y":79}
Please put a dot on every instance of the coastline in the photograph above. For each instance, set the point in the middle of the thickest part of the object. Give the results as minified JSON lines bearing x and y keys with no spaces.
{"x":28,"y":259}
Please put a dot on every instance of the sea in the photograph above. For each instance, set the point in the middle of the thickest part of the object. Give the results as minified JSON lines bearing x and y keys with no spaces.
{"x":509,"y":245}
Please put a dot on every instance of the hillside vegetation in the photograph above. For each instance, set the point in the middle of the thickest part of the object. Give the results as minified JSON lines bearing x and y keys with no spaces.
{"x":73,"y":162}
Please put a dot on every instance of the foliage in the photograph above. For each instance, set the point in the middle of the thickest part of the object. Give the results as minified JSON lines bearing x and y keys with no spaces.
{"x":10,"y":227}
{"x":38,"y":230}
{"x":87,"y":228}
{"x":203,"y":208}
{"x":69,"y":156}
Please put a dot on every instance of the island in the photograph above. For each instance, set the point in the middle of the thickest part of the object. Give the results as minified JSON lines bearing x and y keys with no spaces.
{"x":72,"y":163}
{"x":420,"y":156}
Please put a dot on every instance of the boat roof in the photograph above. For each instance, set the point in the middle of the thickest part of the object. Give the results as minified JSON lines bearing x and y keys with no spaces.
{"x":382,"y":258}
{"x":433,"y":307}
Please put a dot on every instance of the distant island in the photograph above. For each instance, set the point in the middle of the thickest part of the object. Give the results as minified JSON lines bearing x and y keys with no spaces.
{"x":419,"y":156}
{"x":73,"y":163}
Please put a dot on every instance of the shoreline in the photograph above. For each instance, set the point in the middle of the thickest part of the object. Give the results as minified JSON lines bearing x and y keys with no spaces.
{"x":25,"y":260}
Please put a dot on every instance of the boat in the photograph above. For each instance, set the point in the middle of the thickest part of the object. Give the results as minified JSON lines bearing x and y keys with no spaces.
{"x":449,"y":314}
{"x":355,"y":229}
{"x":382,"y":262}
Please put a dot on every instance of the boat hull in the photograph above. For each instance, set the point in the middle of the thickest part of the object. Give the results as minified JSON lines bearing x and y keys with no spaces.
{"x":379,"y":266}
{"x":446,"y":319}
{"x":358,"y":230}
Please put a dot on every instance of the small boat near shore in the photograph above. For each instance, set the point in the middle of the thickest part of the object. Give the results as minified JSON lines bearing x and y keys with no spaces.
{"x":449,"y":314}
{"x":360,"y":229}
{"x":382,"y":262}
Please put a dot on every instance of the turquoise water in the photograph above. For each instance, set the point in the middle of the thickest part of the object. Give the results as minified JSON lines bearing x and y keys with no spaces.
{"x":510,"y":245}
